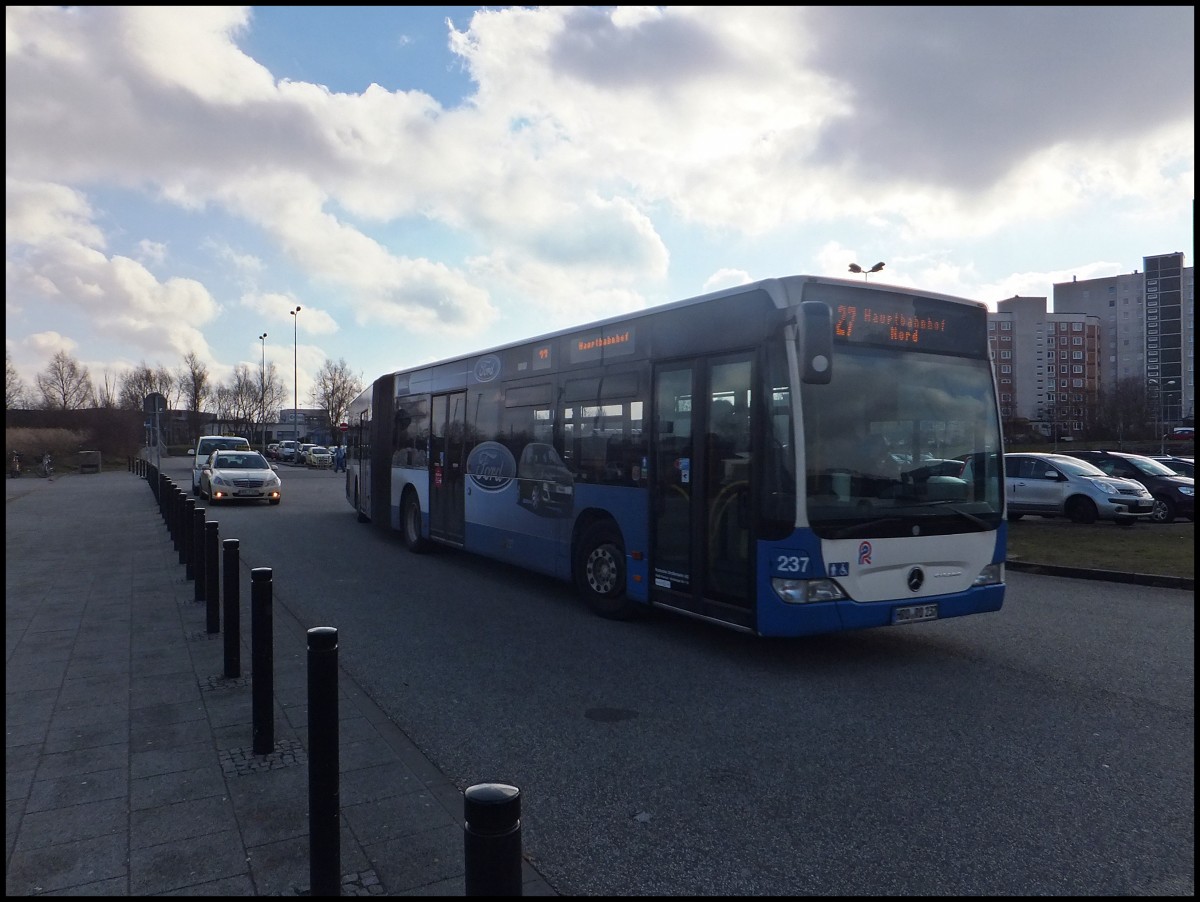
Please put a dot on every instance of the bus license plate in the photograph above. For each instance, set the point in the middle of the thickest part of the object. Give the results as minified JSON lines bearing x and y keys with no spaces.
{"x":915,"y":613}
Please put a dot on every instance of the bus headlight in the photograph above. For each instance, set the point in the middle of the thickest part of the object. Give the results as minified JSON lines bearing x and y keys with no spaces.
{"x":806,"y":591}
{"x":991,"y":575}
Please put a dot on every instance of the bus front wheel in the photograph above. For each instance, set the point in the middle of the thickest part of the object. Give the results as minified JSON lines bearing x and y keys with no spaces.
{"x":410,"y":522}
{"x":600,"y":572}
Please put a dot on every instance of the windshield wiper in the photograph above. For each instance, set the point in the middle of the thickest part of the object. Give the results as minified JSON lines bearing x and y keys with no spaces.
{"x":949,"y":505}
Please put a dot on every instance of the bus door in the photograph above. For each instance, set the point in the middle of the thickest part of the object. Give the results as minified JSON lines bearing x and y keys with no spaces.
{"x":701,"y":555}
{"x":447,"y":467}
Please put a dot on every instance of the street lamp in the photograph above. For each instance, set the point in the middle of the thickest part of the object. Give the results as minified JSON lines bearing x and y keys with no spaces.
{"x":262,"y":400}
{"x":295,"y":372}
{"x":854,"y":267}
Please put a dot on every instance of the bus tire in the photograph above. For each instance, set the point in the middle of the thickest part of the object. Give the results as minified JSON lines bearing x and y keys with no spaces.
{"x":600,"y":572}
{"x":410,"y":523}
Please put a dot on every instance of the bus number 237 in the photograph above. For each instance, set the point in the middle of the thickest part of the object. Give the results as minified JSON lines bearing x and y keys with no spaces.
{"x":792,"y":563}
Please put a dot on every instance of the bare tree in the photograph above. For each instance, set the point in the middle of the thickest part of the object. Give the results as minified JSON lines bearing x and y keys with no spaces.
{"x":194,"y":388}
{"x":16,"y":392}
{"x":239,"y":401}
{"x":336,"y":387}
{"x":142,"y":381}
{"x":65,"y":384}
{"x":1125,"y":412}
{"x":107,"y":393}
{"x":270,"y":392}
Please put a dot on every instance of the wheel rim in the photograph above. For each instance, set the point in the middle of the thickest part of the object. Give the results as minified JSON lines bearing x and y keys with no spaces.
{"x":602,"y":570}
{"x":1161,"y":509}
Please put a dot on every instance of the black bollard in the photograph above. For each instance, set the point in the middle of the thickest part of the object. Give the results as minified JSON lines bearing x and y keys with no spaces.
{"x":262,"y":661}
{"x":324,"y":805}
{"x":189,"y":545}
{"x":180,"y":510}
{"x":198,"y":551}
{"x":233,"y":613}
{"x":212,"y":576}
{"x":176,"y":503}
{"x":492,"y":839}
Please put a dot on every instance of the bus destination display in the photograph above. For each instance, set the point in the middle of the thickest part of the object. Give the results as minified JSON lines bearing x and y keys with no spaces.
{"x":920,"y":324}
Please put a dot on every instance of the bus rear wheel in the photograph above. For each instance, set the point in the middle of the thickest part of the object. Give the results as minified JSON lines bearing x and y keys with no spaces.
{"x":410,"y":523}
{"x":600,"y":572}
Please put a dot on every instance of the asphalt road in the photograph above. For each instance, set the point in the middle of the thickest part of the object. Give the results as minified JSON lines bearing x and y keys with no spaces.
{"x":1045,"y":749}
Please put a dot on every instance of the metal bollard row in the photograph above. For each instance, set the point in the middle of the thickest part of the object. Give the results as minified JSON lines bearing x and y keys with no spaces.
{"x":492,"y":811}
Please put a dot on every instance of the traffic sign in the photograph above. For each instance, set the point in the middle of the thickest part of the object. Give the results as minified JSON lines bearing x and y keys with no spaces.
{"x":345,"y":427}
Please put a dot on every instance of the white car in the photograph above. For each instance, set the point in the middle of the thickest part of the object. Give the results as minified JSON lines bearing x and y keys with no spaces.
{"x":319,"y":456}
{"x":205,"y":446}
{"x":240,"y":476}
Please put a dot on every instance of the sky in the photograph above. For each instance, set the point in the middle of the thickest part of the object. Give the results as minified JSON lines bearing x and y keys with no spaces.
{"x":430,"y":181}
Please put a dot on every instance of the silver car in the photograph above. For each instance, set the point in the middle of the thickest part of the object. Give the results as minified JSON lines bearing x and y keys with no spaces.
{"x":1054,"y":485}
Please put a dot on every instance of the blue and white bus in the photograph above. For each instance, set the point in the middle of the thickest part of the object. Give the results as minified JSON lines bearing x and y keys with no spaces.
{"x":794,"y":456}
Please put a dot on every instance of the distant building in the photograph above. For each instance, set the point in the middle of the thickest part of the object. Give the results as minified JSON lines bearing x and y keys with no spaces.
{"x":1053,"y":363}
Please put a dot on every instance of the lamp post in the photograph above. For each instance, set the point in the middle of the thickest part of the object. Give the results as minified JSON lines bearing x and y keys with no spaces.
{"x":295,"y":373}
{"x":262,"y":398}
{"x":854,"y":267}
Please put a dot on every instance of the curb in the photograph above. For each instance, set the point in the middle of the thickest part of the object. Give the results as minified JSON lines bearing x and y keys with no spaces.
{"x":1115,"y":576}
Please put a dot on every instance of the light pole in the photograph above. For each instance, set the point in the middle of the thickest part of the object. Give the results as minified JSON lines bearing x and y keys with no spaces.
{"x":854,"y":267}
{"x":262,"y":399}
{"x":295,"y":374}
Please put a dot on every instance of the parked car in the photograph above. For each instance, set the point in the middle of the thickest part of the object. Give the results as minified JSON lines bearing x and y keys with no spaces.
{"x":1060,"y":485}
{"x":1184,"y":466}
{"x":273,"y":451}
{"x":287,"y":450}
{"x":319,"y":456}
{"x":1174,"y":495}
{"x":205,"y":446}
{"x":301,"y":455}
{"x":239,"y":476}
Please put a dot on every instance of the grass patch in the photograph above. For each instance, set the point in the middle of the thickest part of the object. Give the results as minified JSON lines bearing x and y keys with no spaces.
{"x":1164,"y":549}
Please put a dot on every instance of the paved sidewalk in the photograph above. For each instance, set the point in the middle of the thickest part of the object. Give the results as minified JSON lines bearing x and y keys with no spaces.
{"x":129,"y":764}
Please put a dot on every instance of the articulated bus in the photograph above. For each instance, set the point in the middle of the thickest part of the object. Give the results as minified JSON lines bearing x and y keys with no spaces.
{"x":794,"y":456}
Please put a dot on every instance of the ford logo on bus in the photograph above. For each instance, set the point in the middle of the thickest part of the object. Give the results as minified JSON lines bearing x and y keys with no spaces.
{"x":491,"y":466}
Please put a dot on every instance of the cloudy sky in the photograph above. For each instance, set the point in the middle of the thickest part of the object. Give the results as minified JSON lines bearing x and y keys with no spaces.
{"x":427,"y":181}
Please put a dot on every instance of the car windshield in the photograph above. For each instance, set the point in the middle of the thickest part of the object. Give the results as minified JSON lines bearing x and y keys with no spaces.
{"x":240,"y":462}
{"x":1152,"y":467}
{"x":1076,"y":467}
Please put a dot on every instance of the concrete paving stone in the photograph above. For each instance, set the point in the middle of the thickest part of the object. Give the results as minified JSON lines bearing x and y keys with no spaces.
{"x":182,"y":820}
{"x":21,"y":735}
{"x":61,"y":738}
{"x":84,"y":761}
{"x":23,"y":757}
{"x":173,"y":689}
{"x":166,"y":714}
{"x":285,"y":867}
{"x":271,"y":805}
{"x":89,"y":716}
{"x":63,"y":792}
{"x":391,"y":818}
{"x":89,"y":690}
{"x":418,"y":859}
{"x":172,"y":866}
{"x":33,"y":674}
{"x":379,"y":782}
{"x":96,"y":665}
{"x":241,"y":885}
{"x":28,"y":706}
{"x":118,"y":886}
{"x":166,"y":789}
{"x":368,"y":753}
{"x":78,"y":822}
{"x":170,"y":735}
{"x":51,"y":869}
{"x":17,"y":784}
{"x":171,"y":760}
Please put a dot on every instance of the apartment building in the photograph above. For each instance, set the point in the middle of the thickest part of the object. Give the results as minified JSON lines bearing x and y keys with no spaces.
{"x":1053,"y":363}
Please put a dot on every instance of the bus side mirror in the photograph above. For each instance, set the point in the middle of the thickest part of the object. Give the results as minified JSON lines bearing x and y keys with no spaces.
{"x":815,"y":343}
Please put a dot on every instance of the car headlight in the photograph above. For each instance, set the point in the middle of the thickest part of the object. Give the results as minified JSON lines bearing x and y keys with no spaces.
{"x":271,"y":482}
{"x":219,"y":480}
{"x":805,"y":591}
{"x":1189,"y":490}
{"x":1109,"y":487}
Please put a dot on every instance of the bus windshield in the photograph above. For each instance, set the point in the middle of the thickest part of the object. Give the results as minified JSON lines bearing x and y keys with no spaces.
{"x":902,"y":443}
